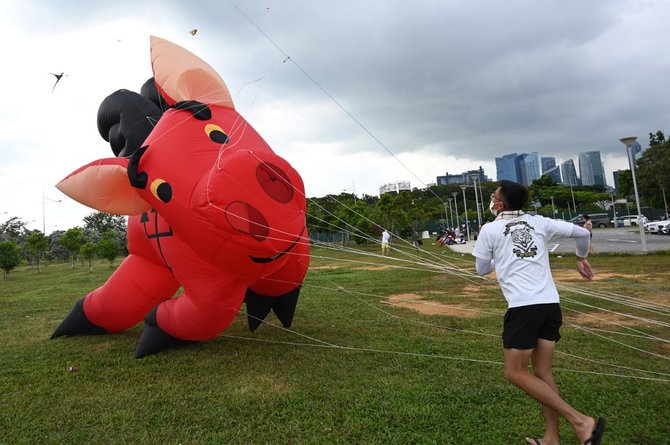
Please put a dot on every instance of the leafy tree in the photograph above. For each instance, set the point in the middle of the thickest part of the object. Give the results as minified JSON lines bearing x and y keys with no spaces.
{"x":656,"y":138}
{"x":72,"y":240}
{"x":626,"y":183}
{"x":539,"y":184}
{"x":97,"y":223}
{"x":382,"y":215}
{"x":14,"y":229}
{"x":653,"y":173}
{"x":108,"y":246}
{"x":87,"y":252}
{"x":56,"y":249}
{"x":37,"y":245}
{"x":10,"y":257}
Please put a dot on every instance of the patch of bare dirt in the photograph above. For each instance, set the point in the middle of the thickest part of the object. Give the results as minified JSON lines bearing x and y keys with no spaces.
{"x":429,"y":307}
{"x":601,"y":319}
{"x":323,"y":267}
{"x":573,"y":275}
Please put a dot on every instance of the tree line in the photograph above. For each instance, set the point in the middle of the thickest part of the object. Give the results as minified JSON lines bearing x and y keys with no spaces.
{"x":364,"y":218}
{"x":103,"y":235}
{"x":361,"y":219}
{"x":348,"y":217}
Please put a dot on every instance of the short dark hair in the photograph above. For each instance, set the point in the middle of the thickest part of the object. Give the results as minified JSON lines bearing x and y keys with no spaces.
{"x":586,"y":217}
{"x":515,"y":195}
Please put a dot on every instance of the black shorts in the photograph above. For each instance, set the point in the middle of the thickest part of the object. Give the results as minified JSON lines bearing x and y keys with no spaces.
{"x":525,"y":324}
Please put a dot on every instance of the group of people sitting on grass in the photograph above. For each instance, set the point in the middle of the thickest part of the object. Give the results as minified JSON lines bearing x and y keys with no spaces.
{"x":448,"y":236}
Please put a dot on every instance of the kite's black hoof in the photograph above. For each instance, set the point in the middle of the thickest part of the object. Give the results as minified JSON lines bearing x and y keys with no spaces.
{"x":154,"y":340}
{"x":259,"y":306}
{"x":76,"y":323}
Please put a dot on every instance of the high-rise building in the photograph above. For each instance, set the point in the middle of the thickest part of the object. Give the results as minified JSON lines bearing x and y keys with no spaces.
{"x":395,"y":187}
{"x":569,"y":173}
{"x":448,"y":179}
{"x":591,"y":169}
{"x":554,"y":173}
{"x":585,"y":169}
{"x":548,"y":163}
{"x":636,"y":149}
{"x":529,"y":167}
{"x":507,"y":168}
{"x":463,"y":178}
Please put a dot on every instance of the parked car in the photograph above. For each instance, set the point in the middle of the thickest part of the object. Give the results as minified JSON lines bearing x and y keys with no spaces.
{"x":665,"y":230}
{"x":598,"y":219}
{"x":628,"y":220}
{"x":656,"y":226}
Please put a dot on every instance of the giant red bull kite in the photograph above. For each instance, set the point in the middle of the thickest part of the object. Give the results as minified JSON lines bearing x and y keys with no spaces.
{"x":214,"y":211}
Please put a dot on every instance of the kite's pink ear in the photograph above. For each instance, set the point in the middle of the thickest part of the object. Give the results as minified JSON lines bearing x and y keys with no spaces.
{"x":181,"y":75}
{"x":104,"y":185}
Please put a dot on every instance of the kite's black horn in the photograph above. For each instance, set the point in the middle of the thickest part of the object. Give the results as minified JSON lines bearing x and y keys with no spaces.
{"x":125,"y":119}
{"x":150,"y":91}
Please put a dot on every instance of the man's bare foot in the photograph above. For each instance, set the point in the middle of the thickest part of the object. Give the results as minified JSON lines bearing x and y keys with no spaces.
{"x":584,"y":430}
{"x":596,"y":436}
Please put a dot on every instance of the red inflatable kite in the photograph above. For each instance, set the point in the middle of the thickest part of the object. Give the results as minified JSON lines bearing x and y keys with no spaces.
{"x":214,"y":211}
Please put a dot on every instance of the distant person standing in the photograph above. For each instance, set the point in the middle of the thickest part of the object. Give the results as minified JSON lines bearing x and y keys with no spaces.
{"x":416,"y":239}
{"x":386,"y":242}
{"x":515,"y":246}
{"x":588,"y":225}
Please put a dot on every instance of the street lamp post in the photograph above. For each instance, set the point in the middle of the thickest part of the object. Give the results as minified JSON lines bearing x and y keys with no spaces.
{"x":465,"y":204}
{"x":553,"y":210}
{"x":616,"y":223}
{"x":479,"y":215}
{"x":455,"y":205}
{"x":450,"y":213}
{"x":46,"y":201}
{"x":628,"y":142}
{"x":574,"y":206}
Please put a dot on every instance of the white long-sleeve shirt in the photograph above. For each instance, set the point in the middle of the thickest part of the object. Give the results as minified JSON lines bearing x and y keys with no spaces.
{"x":516,"y":247}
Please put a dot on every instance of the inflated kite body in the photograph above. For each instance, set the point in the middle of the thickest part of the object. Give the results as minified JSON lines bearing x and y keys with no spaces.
{"x":214,"y":211}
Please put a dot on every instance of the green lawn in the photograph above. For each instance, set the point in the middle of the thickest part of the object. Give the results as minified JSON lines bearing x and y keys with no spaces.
{"x":355,"y":367}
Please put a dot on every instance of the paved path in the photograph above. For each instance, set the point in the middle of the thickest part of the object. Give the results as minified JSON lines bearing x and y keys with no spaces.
{"x":621,"y":240}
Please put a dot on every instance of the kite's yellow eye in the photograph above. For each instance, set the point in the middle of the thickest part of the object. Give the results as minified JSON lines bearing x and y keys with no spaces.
{"x":161,"y":190}
{"x":216,"y":134}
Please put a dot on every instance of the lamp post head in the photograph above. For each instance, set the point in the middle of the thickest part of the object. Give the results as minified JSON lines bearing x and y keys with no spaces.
{"x":628,"y":141}
{"x":463,"y":187}
{"x":454,"y":194}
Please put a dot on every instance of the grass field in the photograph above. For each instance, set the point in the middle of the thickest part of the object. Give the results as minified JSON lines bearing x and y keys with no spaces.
{"x":400,"y":350}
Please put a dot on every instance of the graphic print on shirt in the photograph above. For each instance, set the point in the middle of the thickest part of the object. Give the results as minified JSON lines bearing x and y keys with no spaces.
{"x":521,"y":238}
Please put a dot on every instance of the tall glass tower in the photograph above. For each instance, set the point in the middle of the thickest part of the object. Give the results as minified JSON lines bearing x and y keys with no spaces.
{"x":591,"y":168}
{"x":529,"y":167}
{"x":548,"y":163}
{"x":569,"y":173}
{"x":507,"y":168}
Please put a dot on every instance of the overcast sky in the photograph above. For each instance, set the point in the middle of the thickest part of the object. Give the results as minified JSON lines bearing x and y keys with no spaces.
{"x":373,"y":92}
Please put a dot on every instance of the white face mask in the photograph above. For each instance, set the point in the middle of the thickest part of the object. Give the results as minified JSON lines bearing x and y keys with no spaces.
{"x":492,"y":208}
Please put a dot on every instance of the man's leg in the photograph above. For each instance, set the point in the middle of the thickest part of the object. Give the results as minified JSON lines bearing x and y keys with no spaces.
{"x":541,"y":359}
{"x":516,"y":372}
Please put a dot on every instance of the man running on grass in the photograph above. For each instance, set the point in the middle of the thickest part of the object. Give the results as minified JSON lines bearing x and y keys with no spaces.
{"x":515,"y":245}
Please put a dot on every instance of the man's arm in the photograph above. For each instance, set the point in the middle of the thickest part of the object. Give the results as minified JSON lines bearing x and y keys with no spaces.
{"x":582,"y":240}
{"x":485,"y":267}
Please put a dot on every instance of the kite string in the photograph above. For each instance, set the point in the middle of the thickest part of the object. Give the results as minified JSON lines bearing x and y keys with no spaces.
{"x":322,"y":343}
{"x":335,"y":101}
{"x":244,"y":125}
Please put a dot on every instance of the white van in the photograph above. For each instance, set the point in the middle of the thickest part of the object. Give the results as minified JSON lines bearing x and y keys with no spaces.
{"x":628,"y":220}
